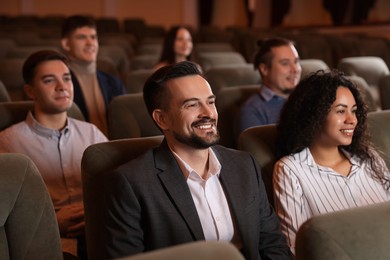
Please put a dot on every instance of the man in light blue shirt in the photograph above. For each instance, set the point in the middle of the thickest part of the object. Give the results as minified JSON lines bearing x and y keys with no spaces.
{"x":278,"y":64}
{"x":54,"y":141}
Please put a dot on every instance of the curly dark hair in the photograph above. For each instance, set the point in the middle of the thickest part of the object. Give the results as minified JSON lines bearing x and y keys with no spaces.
{"x":304,"y":113}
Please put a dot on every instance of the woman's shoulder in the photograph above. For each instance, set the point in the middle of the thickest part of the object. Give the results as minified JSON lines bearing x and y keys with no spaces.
{"x":296,"y":160}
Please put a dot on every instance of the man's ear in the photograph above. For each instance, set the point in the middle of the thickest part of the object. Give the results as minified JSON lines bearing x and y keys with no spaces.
{"x":264,"y":70}
{"x":65,"y":44}
{"x":28,"y":89}
{"x":159,"y":116}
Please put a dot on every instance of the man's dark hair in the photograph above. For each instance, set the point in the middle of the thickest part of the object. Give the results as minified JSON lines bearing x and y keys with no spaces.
{"x":74,"y":22}
{"x":33,"y":61}
{"x":264,"y":54}
{"x":155,"y":92}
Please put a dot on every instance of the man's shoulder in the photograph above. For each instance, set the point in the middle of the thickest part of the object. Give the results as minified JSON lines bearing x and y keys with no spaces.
{"x":8,"y":140}
{"x":230,"y":153}
{"x":255,"y":100}
{"x":86,"y":128}
{"x":139,"y":167}
{"x":17,"y":127}
{"x":108,"y":77}
{"x":79,"y":123}
{"x":110,"y":83}
{"x":297,"y":160}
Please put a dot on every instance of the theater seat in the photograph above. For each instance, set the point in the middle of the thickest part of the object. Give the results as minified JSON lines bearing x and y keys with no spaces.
{"x":11,"y":76}
{"x":312,"y":65}
{"x":143,"y":61}
{"x":365,"y":90}
{"x":213,"y":47}
{"x":118,"y":56}
{"x":260,"y":141}
{"x":14,"y":112}
{"x":205,"y":250}
{"x":129,"y":118}
{"x":371,"y":69}
{"x":379,"y":126}
{"x":136,"y":80}
{"x":209,"y":60}
{"x":4,"y":96}
{"x":384,"y":90}
{"x":228,"y":102}
{"x":222,"y":77}
{"x":358,"y":233}
{"x":28,"y":225}
{"x":99,"y":159}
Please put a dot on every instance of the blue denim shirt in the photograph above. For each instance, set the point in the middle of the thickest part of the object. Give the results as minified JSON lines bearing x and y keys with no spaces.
{"x":263,"y":108}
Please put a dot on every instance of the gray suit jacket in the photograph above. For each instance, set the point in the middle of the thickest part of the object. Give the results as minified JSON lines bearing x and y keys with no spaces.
{"x":149,"y":206}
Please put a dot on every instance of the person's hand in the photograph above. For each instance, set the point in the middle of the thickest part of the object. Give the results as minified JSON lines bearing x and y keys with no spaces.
{"x":71,"y":220}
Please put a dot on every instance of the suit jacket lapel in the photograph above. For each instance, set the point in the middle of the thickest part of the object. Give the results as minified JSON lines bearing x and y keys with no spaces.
{"x":173,"y":180}
{"x":234,"y":191}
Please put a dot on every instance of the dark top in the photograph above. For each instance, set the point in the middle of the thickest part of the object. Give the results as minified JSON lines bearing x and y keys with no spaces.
{"x":109,"y":85}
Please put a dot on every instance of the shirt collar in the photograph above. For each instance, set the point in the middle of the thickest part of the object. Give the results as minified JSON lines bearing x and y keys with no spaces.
{"x":83,"y":68}
{"x":214,"y":165}
{"x":310,"y":160}
{"x":42,"y":130}
{"x":266,"y":93}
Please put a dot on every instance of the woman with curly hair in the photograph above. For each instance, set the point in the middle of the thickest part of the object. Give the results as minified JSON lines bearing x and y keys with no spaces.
{"x":326,"y":159}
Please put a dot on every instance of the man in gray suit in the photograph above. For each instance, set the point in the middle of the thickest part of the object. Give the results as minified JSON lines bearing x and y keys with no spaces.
{"x":188,"y":188}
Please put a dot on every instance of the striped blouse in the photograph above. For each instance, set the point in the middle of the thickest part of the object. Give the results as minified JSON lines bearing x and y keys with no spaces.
{"x":304,"y":189}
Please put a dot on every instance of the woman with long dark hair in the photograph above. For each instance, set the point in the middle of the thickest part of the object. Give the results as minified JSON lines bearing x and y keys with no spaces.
{"x":177,"y":46}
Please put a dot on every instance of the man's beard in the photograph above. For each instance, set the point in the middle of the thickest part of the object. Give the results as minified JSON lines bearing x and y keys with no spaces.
{"x":196,"y":141}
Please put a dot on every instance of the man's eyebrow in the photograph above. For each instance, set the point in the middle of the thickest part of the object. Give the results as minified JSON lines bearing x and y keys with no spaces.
{"x":190,"y":100}
{"x":285,"y":59}
{"x":47,"y":76}
{"x":197,"y":99}
{"x":52,"y":75}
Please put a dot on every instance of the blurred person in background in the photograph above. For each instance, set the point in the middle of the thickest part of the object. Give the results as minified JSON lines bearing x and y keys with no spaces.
{"x":93,"y":89}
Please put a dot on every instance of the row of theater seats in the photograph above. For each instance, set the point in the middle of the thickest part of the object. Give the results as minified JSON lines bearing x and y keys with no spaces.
{"x":371,"y":73}
{"x":128,"y":116}
{"x":113,"y":59}
{"x":52,"y":24}
{"x":327,"y":43}
{"x":222,"y":69}
{"x":29,"y":229}
{"x":124,"y":51}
